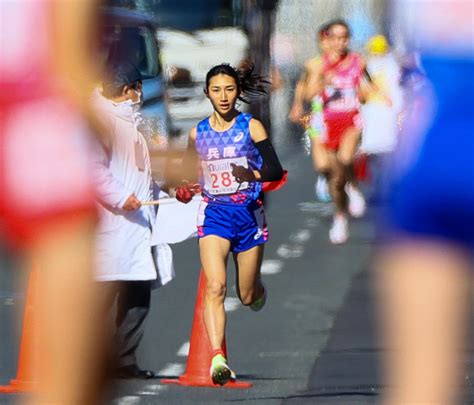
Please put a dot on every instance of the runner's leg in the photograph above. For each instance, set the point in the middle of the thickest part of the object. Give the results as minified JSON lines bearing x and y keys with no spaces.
{"x":69,"y":315}
{"x":319,"y":156}
{"x":347,"y":150}
{"x":249,"y":283}
{"x":339,"y":231}
{"x":214,"y":252}
{"x":423,"y":290}
{"x":337,"y":183}
{"x":320,"y":160}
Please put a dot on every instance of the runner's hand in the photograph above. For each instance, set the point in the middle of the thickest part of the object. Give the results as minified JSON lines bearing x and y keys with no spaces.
{"x":242,"y":174}
{"x":186,"y":192}
{"x":296,"y":113}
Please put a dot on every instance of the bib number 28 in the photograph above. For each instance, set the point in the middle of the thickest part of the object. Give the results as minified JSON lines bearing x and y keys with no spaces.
{"x":221,"y":179}
{"x":218,"y":178}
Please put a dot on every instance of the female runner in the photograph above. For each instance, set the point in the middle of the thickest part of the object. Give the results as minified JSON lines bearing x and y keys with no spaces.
{"x":234,"y":156}
{"x":337,"y":80}
{"x":315,"y":127}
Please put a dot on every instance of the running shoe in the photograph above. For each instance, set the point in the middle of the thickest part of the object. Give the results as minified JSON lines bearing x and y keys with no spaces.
{"x":259,"y":303}
{"x":220,"y":372}
{"x":339,"y":232}
{"x":322,"y":190}
{"x":357,"y":204}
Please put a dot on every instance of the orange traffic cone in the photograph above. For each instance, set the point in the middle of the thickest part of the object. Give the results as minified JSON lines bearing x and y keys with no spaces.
{"x":200,"y":351}
{"x":25,"y":377}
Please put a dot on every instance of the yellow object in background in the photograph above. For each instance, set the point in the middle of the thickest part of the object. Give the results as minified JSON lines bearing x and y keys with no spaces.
{"x":377,"y":45}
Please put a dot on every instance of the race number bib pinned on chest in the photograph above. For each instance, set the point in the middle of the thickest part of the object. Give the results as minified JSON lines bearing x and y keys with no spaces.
{"x":218,"y":178}
{"x":139,"y":156}
{"x":342,"y":99}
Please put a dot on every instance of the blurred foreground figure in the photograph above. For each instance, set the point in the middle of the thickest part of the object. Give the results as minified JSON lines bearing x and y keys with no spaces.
{"x":47,"y":208}
{"x":424,"y":272}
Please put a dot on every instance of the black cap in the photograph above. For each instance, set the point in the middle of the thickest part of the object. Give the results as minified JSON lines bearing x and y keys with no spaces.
{"x":119,"y":75}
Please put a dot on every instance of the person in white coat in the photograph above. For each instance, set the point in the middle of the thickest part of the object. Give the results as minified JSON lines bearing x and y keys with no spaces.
{"x":125,"y":265}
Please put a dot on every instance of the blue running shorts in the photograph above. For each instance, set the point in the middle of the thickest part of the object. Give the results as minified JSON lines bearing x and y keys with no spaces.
{"x":243,"y":225}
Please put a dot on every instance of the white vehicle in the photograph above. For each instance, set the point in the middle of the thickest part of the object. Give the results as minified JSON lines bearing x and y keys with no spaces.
{"x":194,"y":37}
{"x":200,"y":50}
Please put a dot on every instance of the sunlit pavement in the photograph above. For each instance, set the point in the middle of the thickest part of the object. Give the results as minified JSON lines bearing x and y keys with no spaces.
{"x":275,"y":349}
{"x":314,"y":341}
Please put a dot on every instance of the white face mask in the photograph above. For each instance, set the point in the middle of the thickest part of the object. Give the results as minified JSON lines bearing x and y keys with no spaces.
{"x":129,"y":106}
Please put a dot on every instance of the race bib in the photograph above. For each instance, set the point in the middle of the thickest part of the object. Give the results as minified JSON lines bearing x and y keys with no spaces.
{"x":218,"y":178}
{"x":342,"y":99}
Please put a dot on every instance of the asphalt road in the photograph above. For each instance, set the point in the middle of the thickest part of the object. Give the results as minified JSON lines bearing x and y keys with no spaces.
{"x":276,"y":349}
{"x":313,"y":343}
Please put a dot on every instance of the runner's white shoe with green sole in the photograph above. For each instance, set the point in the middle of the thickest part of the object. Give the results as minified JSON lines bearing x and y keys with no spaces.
{"x":259,"y":303}
{"x":220,"y":372}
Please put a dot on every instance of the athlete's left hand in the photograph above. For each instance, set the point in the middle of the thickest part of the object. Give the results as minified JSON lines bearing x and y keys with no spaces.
{"x":242,"y":174}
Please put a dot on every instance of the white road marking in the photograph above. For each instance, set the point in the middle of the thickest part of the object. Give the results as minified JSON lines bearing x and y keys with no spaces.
{"x":321,"y":209}
{"x":312,"y":222}
{"x":156,"y":387}
{"x":183,"y":350}
{"x":172,"y":370}
{"x":152,"y":389}
{"x":287,"y":251}
{"x":128,"y":400}
{"x":231,"y":304}
{"x":271,"y":266}
{"x":289,"y":354}
{"x":300,"y":236}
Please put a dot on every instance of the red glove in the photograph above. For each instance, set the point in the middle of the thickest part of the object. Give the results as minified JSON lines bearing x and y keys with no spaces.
{"x":186,"y":192}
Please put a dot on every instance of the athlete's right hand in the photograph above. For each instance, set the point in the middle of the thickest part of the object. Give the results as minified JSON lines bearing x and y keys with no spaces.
{"x":186,"y":192}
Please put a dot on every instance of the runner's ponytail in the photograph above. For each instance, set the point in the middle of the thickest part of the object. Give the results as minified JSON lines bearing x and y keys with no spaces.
{"x":248,"y":82}
{"x":251,"y":83}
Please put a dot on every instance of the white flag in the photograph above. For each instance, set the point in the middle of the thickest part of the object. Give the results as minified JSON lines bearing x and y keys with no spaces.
{"x":175,"y":222}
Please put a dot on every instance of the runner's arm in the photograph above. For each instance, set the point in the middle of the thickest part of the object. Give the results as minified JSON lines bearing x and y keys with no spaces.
{"x":271,"y":170}
{"x":314,"y":84}
{"x":296,"y":110}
